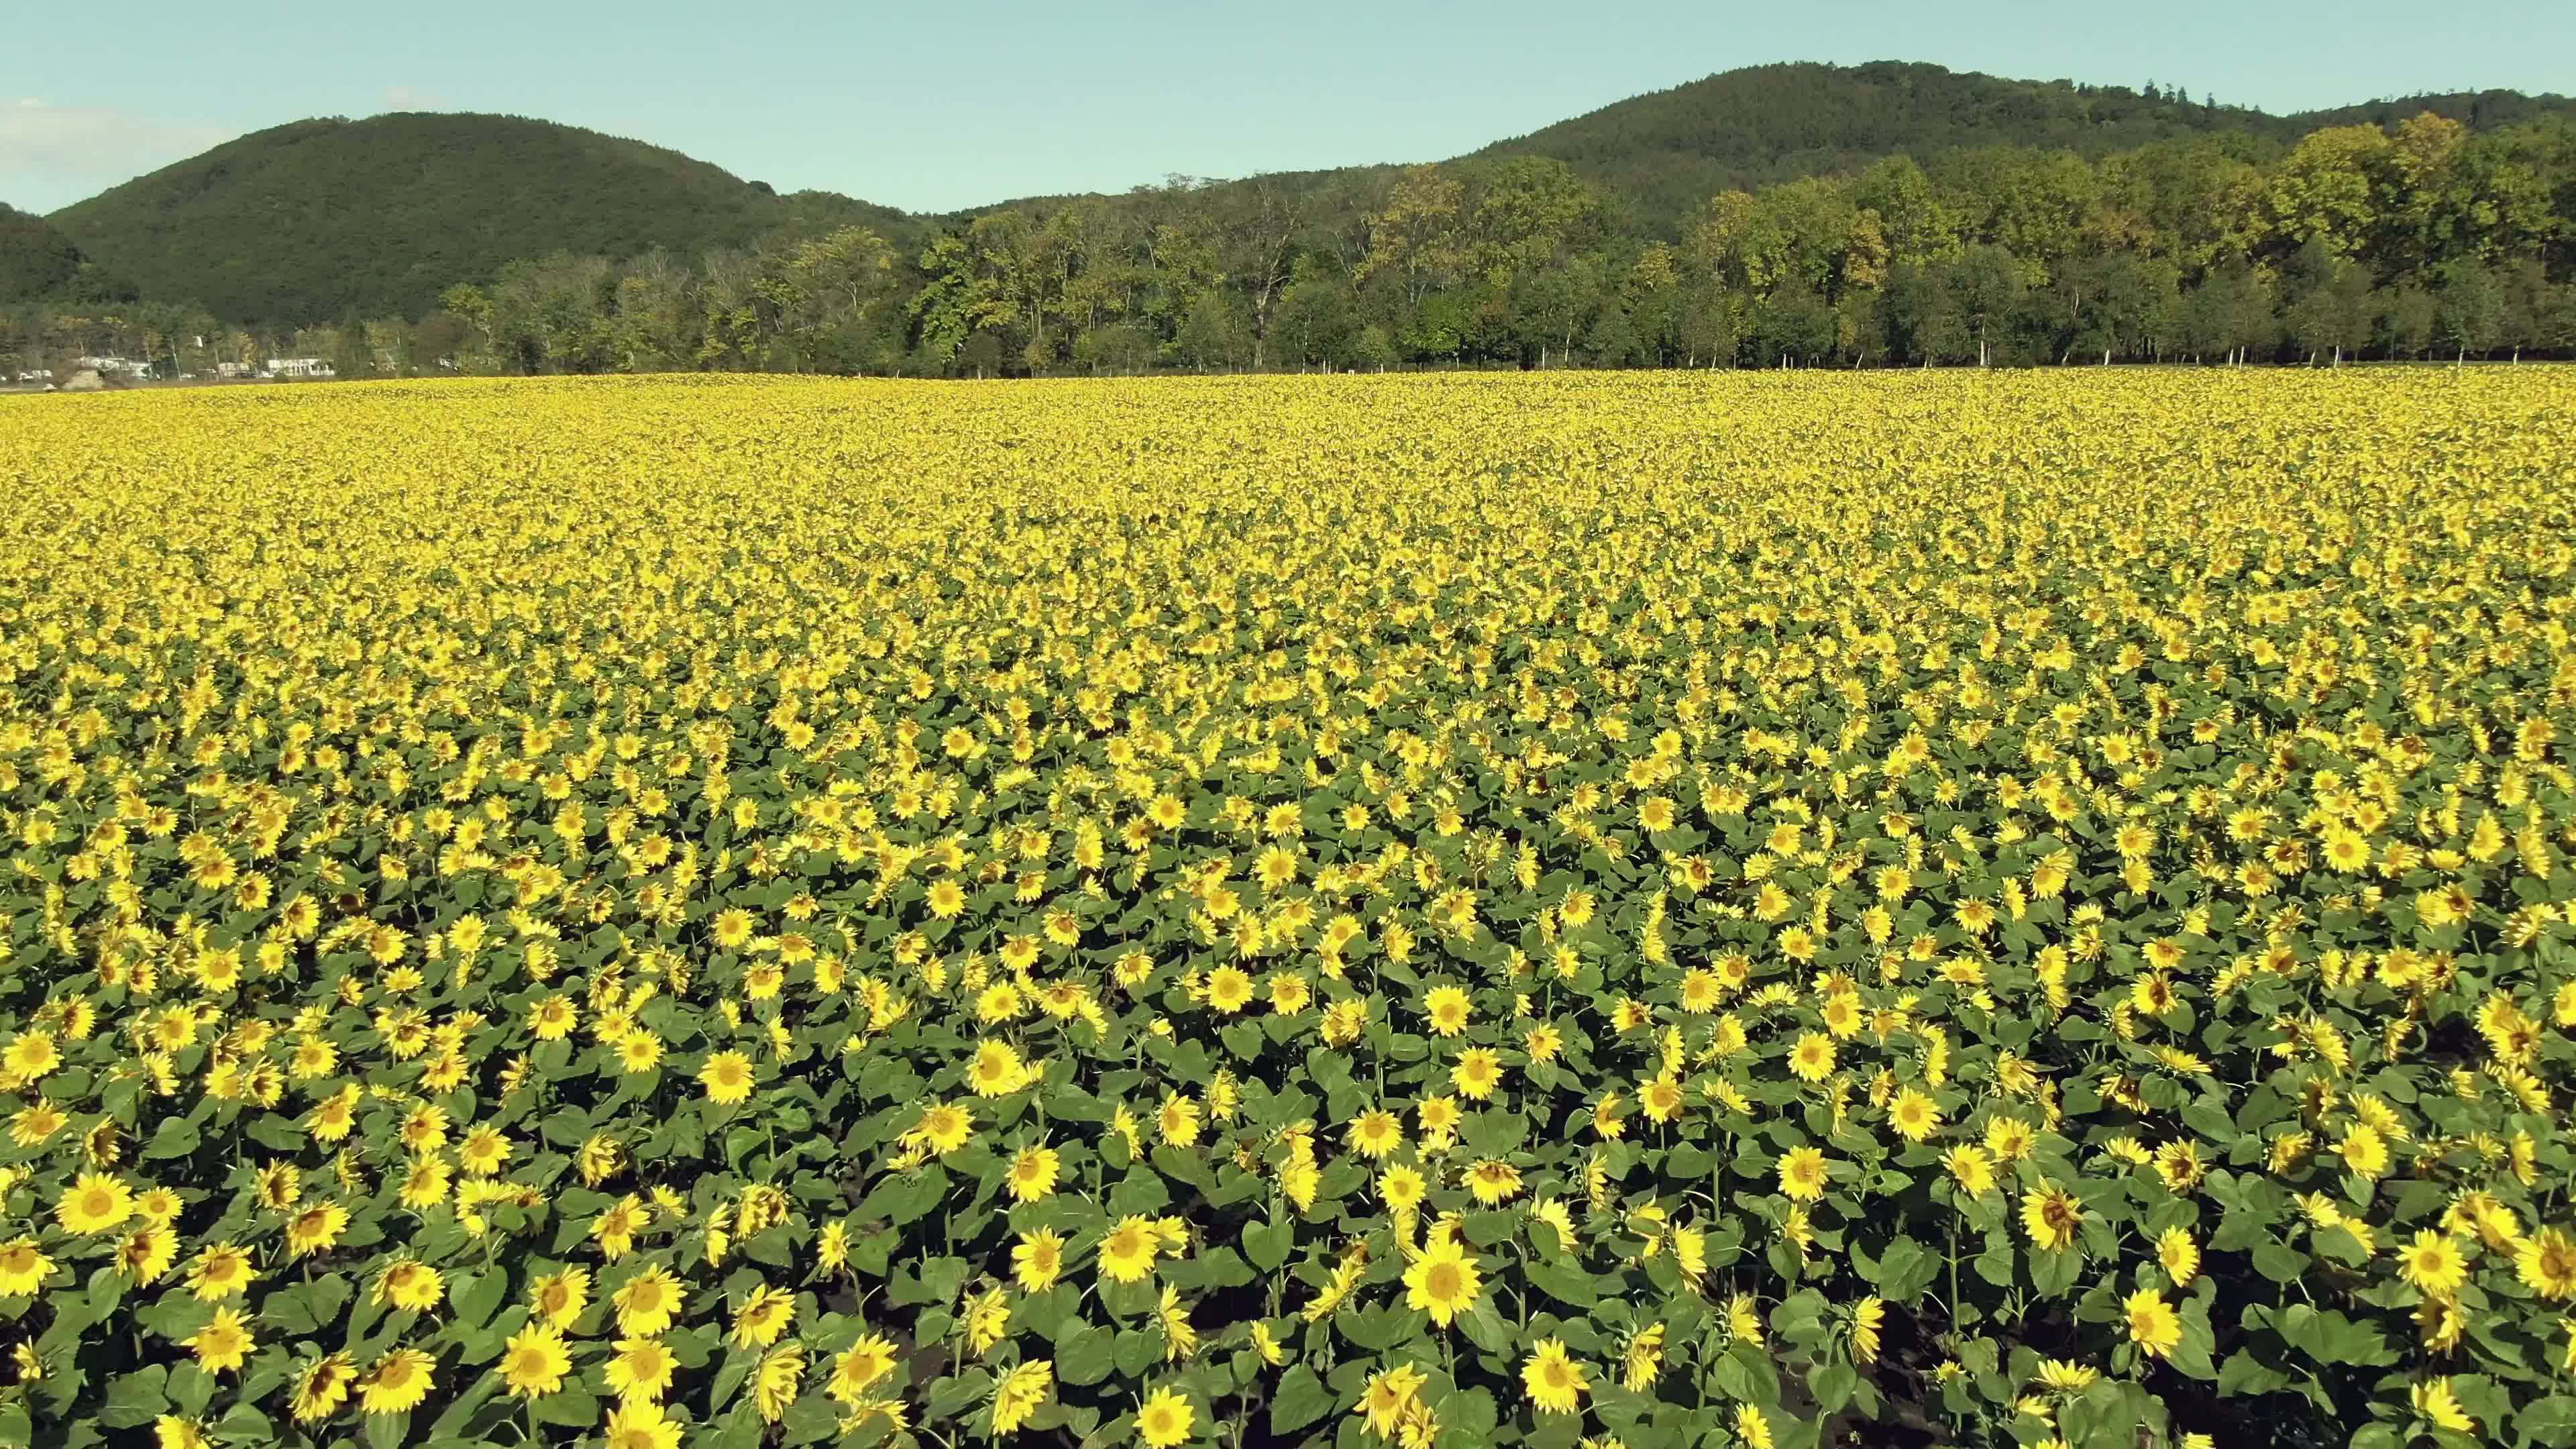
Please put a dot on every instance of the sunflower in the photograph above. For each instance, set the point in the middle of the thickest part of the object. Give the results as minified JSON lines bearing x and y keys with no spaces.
{"x":641,"y":1370}
{"x":553,"y":1019}
{"x":1642,"y":1359}
{"x":2364,"y":1151}
{"x":647,"y":1303}
{"x":2010,"y":1139}
{"x":944,"y":1127}
{"x":2179,"y":1255}
{"x":1032,"y":1173}
{"x":727,"y":1078}
{"x":1812,"y":1059}
{"x":2051,"y":1214}
{"x":1442,"y":1282}
{"x":425,"y":1186}
{"x":2060,"y":1376}
{"x":1177,"y":1120}
{"x":2153,"y":1325}
{"x":146,"y":1253}
{"x":220,"y":1271}
{"x":1971,"y":1169}
{"x":409,"y":1285}
{"x":1180,"y":1338}
{"x":1037,"y":1259}
{"x":35,"y":1122}
{"x":2441,"y":1407}
{"x":1127,"y":1253}
{"x":1868,"y":1316}
{"x":315,"y":1229}
{"x":31,"y":1056}
{"x":323,"y":1387}
{"x":1555,"y":1382}
{"x":2546,"y":1264}
{"x":1164,"y":1419}
{"x":484,"y":1151}
{"x":776,"y":1382}
{"x":1802,"y":1174}
{"x":1020,"y":1393}
{"x":2179,"y":1164}
{"x":1660,"y":1099}
{"x":97,"y":1203}
{"x":1447,"y":1010}
{"x":23,"y":1269}
{"x":2433,"y":1264}
{"x":1438,"y":1117}
{"x":223,"y":1343}
{"x":859,"y":1366}
{"x":1914,"y":1115}
{"x":1375,"y":1133}
{"x":640,"y":1424}
{"x":1229,"y":989}
{"x":1607,"y":1124}
{"x":996,"y":1071}
{"x":2438,"y":1323}
{"x":556,"y":1299}
{"x":762,"y":1317}
{"x":535,"y":1361}
{"x":1493,"y":1182}
{"x":395,"y":1383}
{"x":1389,"y":1394}
{"x":615,"y":1226}
{"x":1479,"y":1070}
{"x":1401,"y":1188}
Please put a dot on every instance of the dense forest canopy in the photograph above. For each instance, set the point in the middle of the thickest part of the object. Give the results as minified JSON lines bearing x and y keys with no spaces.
{"x":36,"y":259}
{"x":1668,"y":151}
{"x":304,"y":222}
{"x":1883,"y":214}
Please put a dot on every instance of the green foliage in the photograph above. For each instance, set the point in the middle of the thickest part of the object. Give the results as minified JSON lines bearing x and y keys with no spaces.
{"x":35,"y":257}
{"x":1779,"y":215}
{"x":303,"y":222}
{"x":1669,"y":151}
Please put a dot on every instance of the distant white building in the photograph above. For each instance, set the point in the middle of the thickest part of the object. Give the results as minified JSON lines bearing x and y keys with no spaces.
{"x":113,"y":366}
{"x":299,"y":367}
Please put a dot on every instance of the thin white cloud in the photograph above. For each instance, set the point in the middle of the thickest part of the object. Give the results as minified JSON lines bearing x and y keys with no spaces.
{"x":405,"y":98}
{"x":53,"y":155}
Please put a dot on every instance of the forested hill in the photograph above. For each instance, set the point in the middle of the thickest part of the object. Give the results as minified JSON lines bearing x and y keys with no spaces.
{"x":319,"y":219}
{"x":36,"y":259}
{"x":1667,"y":152}
{"x":1879,"y":213}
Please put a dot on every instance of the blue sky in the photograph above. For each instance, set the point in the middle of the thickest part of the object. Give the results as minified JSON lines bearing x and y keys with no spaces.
{"x":937,"y":104}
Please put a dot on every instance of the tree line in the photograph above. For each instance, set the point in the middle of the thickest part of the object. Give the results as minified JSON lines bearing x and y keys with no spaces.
{"x":2424,"y":239}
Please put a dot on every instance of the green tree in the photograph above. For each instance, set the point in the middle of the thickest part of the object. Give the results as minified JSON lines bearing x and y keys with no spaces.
{"x":1988,"y":283}
{"x":2332,"y":189}
{"x":2468,"y":309}
{"x":1414,"y":242}
{"x":1217,"y":333}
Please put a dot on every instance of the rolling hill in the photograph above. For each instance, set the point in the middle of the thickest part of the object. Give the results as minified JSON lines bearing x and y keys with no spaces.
{"x":314,"y":219}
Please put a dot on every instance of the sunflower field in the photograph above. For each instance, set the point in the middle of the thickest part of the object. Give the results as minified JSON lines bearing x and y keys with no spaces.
{"x":1393,"y":912}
